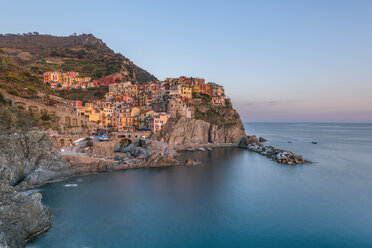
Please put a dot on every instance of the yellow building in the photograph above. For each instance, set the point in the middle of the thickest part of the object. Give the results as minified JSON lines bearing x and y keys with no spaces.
{"x":52,"y":77}
{"x":186,"y":92}
{"x":89,"y":112}
{"x":131,"y":90}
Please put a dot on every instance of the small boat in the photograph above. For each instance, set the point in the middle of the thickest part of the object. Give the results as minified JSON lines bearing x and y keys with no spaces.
{"x":104,"y":138}
{"x":209,"y":149}
{"x":314,"y":142}
{"x":201,"y":149}
{"x":77,"y":141}
{"x":190,"y":150}
{"x":289,"y":142}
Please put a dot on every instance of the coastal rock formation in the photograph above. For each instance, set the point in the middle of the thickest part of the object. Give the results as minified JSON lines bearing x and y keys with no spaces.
{"x":183,"y":131}
{"x":208,"y":124}
{"x":156,"y":154}
{"x":261,"y":139}
{"x":27,"y":159}
{"x":85,"y":164}
{"x":248,"y":140}
{"x":162,"y":156}
{"x":22,"y":216}
{"x":278,"y":155}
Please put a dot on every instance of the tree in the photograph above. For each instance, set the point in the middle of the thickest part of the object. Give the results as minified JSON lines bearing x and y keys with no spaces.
{"x":2,"y":99}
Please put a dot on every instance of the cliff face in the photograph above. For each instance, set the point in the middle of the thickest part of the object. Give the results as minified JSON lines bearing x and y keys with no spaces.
{"x":193,"y":131}
{"x":26,"y":160}
{"x":22,"y":216}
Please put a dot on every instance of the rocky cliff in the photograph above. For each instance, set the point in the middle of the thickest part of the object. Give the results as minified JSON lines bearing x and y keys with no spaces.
{"x":211,"y":124}
{"x":22,"y":216}
{"x":26,"y":160}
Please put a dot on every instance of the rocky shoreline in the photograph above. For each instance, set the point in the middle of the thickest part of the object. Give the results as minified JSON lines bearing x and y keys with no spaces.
{"x":27,"y":161}
{"x":273,"y":153}
{"x":252,"y":144}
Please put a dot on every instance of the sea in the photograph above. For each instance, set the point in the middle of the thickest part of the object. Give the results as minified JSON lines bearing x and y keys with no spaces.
{"x":233,"y":198}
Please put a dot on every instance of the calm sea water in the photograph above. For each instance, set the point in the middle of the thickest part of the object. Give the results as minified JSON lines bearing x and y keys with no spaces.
{"x":235,"y":198}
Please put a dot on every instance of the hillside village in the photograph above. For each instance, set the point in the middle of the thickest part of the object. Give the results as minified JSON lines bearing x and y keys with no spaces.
{"x":70,"y":106}
{"x":130,"y":107}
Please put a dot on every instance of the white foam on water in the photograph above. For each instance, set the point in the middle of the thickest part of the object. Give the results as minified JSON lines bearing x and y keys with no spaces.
{"x":71,"y":185}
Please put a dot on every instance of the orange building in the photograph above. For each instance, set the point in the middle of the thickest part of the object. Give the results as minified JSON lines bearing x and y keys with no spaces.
{"x":123,"y":120}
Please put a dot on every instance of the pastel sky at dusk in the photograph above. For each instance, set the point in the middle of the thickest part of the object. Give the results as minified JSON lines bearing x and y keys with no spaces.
{"x":278,"y":60}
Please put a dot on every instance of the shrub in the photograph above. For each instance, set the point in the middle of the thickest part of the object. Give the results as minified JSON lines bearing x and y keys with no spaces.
{"x":2,"y":99}
{"x":228,"y":103}
{"x":45,"y":117}
{"x":32,"y":88}
{"x":13,"y":77}
{"x":13,"y":92}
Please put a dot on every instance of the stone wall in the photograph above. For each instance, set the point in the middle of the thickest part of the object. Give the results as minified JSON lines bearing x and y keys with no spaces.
{"x":70,"y":122}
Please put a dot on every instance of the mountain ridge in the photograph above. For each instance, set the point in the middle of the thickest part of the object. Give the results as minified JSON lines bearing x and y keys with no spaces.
{"x":83,"y":53}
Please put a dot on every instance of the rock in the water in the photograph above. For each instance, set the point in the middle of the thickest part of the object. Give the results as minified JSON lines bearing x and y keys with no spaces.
{"x":191,"y":162}
{"x":261,"y":139}
{"x":21,"y":216}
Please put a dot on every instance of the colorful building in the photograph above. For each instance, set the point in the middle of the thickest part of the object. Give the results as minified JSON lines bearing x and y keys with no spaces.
{"x":157,"y":121}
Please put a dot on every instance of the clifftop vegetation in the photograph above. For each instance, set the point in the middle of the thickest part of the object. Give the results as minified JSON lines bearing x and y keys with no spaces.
{"x":217,"y":115}
{"x":96,"y":93}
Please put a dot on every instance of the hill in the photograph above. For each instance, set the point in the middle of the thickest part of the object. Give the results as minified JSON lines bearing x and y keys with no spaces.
{"x":18,"y":80}
{"x":84,"y":53}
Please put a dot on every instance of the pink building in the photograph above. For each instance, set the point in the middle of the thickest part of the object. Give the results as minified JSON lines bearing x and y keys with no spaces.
{"x":106,"y":80}
{"x":78,"y":104}
{"x":157,"y":121}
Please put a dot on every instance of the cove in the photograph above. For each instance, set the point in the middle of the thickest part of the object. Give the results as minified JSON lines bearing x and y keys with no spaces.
{"x":234,"y":198}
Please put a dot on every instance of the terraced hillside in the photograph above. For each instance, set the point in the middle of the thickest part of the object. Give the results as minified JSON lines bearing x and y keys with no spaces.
{"x":84,"y":53}
{"x":18,"y":80}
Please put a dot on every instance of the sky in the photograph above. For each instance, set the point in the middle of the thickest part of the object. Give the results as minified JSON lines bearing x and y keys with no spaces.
{"x":304,"y":61}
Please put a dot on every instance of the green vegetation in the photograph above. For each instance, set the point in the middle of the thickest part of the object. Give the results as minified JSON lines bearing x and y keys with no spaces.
{"x":81,"y":53}
{"x":47,"y":121}
{"x":211,"y":116}
{"x":2,"y":99}
{"x":45,"y":117}
{"x":228,"y":103}
{"x":222,"y":116}
{"x":12,"y":118}
{"x":85,"y":95}
{"x":12,"y":92}
{"x":19,"y":81}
